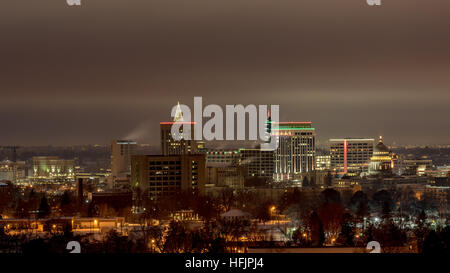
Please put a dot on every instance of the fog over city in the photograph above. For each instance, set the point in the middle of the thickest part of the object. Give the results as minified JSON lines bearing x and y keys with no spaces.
{"x":108,"y":70}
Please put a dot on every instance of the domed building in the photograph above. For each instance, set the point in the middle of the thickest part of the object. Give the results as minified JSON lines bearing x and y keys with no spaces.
{"x":381,"y":161}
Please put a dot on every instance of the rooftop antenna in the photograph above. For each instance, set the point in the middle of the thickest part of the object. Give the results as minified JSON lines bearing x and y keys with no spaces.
{"x":178,"y":113}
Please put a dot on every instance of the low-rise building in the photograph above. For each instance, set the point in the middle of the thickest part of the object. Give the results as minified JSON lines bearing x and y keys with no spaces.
{"x":52,"y":169}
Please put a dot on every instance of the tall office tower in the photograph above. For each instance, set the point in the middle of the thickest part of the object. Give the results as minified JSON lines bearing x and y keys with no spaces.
{"x":351,"y":156}
{"x":170,"y":146}
{"x":167,"y":175}
{"x":296,"y":149}
{"x":121,"y":152}
{"x":259,"y":163}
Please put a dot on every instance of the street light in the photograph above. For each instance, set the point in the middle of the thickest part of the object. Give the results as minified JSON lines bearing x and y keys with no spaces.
{"x":272,"y":211}
{"x":153,"y":245}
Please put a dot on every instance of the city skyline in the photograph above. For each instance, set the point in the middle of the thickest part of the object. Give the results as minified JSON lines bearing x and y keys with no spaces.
{"x":102,"y":71}
{"x":209,"y":129}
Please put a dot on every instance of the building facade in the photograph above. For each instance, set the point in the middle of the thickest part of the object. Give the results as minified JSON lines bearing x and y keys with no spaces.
{"x":121,"y":152}
{"x":258,"y":162}
{"x":417,"y":166}
{"x":178,"y":144}
{"x":167,"y":175}
{"x":381,"y":162}
{"x":222,"y":157}
{"x":171,"y":146}
{"x":296,"y":149}
{"x":50,"y":169}
{"x":228,"y":176}
{"x":12,"y":171}
{"x":323,"y":162}
{"x":350,"y":156}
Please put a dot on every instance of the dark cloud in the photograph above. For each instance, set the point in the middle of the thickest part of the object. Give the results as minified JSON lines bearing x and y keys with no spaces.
{"x":113,"y":68}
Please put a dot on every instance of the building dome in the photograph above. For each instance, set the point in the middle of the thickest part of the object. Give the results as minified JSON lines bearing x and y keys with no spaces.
{"x":381,"y":161}
{"x":380,"y":147}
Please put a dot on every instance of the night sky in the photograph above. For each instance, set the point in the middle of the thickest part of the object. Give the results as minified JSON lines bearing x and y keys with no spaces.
{"x":113,"y":69}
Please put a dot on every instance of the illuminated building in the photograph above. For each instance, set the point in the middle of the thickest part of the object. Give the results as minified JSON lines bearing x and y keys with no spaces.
{"x":222,"y":157}
{"x":98,"y":182}
{"x":235,"y":214}
{"x":226,"y":176}
{"x":77,"y":225}
{"x":296,"y":149}
{"x":259,"y":163}
{"x":12,"y":171}
{"x":185,"y":215}
{"x":417,"y":166}
{"x":381,"y":161}
{"x":442,"y":171}
{"x":350,"y":156}
{"x":121,"y":152}
{"x":166,"y":175}
{"x":201,"y":148}
{"x":116,"y":200}
{"x":397,"y":164}
{"x":347,"y":182}
{"x":323,"y":162}
{"x":49,"y":169}
{"x":171,"y":146}
{"x":438,"y":195}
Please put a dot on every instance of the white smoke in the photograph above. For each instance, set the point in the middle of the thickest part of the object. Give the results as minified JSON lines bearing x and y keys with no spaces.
{"x":142,"y":132}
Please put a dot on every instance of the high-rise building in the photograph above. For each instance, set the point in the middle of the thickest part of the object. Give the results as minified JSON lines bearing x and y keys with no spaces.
{"x":121,"y":152}
{"x":178,"y":145}
{"x":350,"y":156}
{"x":296,"y":149}
{"x":167,"y":175}
{"x":258,"y":162}
{"x":323,"y":162}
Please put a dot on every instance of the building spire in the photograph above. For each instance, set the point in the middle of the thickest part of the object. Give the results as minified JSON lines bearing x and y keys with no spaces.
{"x":178,"y":114}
